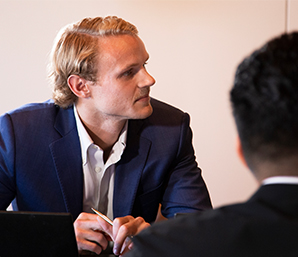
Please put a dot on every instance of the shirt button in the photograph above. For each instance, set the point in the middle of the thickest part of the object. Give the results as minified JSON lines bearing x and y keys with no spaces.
{"x":97,"y":169}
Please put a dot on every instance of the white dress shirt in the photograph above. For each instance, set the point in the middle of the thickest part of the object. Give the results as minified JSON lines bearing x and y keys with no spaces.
{"x":99,"y":176}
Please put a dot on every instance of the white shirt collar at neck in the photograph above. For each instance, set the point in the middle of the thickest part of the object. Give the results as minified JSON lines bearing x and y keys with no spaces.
{"x":85,"y":139}
{"x":280,"y":180}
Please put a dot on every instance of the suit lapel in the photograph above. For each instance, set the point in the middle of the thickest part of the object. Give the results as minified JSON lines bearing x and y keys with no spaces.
{"x":68,"y":161}
{"x":129,"y":169}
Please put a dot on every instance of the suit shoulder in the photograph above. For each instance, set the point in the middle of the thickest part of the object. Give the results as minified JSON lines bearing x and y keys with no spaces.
{"x":33,"y":107}
{"x":35,"y":113}
{"x":162,"y":106}
{"x":164,"y":112}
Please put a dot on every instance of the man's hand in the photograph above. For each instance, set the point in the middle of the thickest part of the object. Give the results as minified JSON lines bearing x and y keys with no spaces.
{"x":123,"y":229}
{"x":93,"y":233}
{"x":90,"y":235}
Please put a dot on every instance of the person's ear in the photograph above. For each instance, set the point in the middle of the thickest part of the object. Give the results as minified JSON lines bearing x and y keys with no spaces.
{"x":78,"y":86}
{"x":239,"y":150}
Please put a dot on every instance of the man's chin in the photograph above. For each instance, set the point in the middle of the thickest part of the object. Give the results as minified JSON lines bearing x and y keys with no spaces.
{"x":144,"y":113}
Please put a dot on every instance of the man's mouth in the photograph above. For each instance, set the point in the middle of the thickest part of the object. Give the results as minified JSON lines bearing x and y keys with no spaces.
{"x":144,"y":97}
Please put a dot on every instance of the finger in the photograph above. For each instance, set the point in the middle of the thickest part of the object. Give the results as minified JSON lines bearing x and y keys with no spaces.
{"x":106,"y":227}
{"x":88,"y":247}
{"x":94,"y":241}
{"x":89,"y":233}
{"x":126,"y":245}
{"x":87,"y":221}
{"x":118,"y":222}
{"x":127,"y":227}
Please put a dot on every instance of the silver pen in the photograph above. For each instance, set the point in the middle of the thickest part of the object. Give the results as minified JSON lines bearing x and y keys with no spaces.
{"x":103,"y":216}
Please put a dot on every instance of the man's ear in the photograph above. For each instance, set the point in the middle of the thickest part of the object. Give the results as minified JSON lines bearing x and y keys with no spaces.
{"x":239,"y":150}
{"x":78,"y":86}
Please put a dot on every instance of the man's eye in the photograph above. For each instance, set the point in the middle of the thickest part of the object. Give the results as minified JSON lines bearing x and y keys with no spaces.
{"x":128,"y":73}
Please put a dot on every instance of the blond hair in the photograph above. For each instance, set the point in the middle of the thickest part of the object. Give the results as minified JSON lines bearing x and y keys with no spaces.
{"x":75,"y":53}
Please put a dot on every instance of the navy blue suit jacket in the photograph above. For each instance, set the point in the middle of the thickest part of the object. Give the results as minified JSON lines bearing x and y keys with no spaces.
{"x":265,"y":225}
{"x":41,"y":165}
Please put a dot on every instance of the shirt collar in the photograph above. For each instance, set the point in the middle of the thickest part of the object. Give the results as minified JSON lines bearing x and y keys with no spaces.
{"x":280,"y":180}
{"x":85,"y":139}
{"x":118,"y":147}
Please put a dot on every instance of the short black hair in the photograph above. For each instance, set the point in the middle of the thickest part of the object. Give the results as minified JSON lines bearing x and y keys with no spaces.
{"x":264,"y":100}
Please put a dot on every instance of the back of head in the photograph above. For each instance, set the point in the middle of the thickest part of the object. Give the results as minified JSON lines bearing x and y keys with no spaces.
{"x":75,"y":52}
{"x":265,"y":101}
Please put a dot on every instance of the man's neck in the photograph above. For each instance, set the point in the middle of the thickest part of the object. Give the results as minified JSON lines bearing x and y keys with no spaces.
{"x":104,"y":131}
{"x":286,"y":166}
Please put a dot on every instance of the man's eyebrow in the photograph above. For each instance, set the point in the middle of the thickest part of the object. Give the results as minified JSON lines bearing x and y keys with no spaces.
{"x":132,"y":65}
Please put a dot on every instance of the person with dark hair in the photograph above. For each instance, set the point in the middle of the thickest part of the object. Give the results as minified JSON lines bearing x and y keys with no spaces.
{"x":102,"y":142}
{"x":264,"y":101}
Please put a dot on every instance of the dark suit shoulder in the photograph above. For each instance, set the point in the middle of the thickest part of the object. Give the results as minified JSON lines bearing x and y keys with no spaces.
{"x":40,"y":117}
{"x":228,"y":231}
{"x":32,"y":106}
{"x":166,"y":114}
{"x":160,"y":107}
{"x":36,"y":111}
{"x":33,"y":113}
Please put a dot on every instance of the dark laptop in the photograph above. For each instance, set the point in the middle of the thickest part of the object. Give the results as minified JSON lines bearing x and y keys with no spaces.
{"x":37,"y":234}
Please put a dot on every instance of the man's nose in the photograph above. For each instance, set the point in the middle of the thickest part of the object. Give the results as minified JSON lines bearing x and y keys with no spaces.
{"x":148,"y":80}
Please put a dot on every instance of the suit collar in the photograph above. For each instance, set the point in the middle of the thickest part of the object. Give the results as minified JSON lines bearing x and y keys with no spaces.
{"x":65,"y":121}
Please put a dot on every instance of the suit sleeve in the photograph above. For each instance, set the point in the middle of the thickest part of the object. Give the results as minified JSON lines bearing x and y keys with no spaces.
{"x":186,"y":190}
{"x":7,"y":157}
